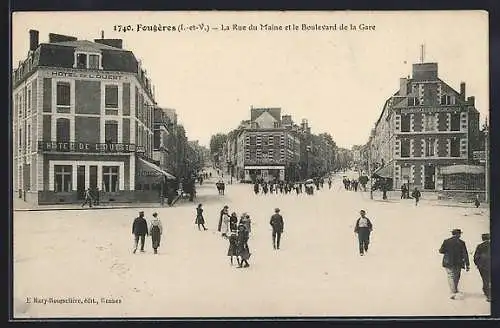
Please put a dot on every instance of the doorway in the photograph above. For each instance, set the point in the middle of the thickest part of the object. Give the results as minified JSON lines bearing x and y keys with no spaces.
{"x":80,"y":181}
{"x":430,"y":177}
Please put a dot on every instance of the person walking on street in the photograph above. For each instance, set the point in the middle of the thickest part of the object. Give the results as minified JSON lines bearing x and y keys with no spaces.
{"x":329,"y":183}
{"x":363,"y":228}
{"x":278,"y":225}
{"x":416,"y":194}
{"x":243,"y":250}
{"x":477,"y":202}
{"x":233,"y":222}
{"x":155,"y":231}
{"x":222,"y":212}
{"x":139,"y":230}
{"x":225,"y":230}
{"x":245,"y":220}
{"x":233,"y":247}
{"x":256,"y":188}
{"x":482,"y":260}
{"x":200,"y":220}
{"x":403,"y":191}
{"x":455,"y":258}
{"x":88,"y":198}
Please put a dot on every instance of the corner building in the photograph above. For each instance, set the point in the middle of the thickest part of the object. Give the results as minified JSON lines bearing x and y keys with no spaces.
{"x":82,"y":118}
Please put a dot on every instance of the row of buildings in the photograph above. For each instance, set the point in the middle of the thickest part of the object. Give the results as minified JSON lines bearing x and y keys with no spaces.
{"x":84,"y":116}
{"x":426,"y":132}
{"x":270,"y":146}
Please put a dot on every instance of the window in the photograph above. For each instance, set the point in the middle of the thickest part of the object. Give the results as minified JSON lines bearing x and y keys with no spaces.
{"x":111,"y":132}
{"x":62,"y":130}
{"x":110,"y":178}
{"x":63,"y":97}
{"x":455,"y":147}
{"x":29,"y":99}
{"x":405,"y":123}
{"x":455,"y":122}
{"x":28,"y":136}
{"x":111,"y":99}
{"x":413,"y":101}
{"x":25,"y":113}
{"x":405,"y":148}
{"x":429,"y":122}
{"x":94,"y":61}
{"x":447,"y":100}
{"x":81,"y":61}
{"x":430,"y":147}
{"x":277,"y":140}
{"x":62,"y":178}
{"x":156,"y":139}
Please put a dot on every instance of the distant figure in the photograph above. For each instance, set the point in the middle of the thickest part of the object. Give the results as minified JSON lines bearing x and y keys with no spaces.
{"x":403,"y":191}
{"x":88,"y":198}
{"x":482,"y":260}
{"x":277,"y":224}
{"x":477,"y":202}
{"x":416,"y":194}
{"x":455,"y":258}
{"x":155,"y":231}
{"x":329,"y":183}
{"x":233,"y":247}
{"x":256,"y":188}
{"x":139,"y":230}
{"x":363,"y":228}
{"x":243,"y":250}
{"x":200,"y":220}
{"x":384,"y":190}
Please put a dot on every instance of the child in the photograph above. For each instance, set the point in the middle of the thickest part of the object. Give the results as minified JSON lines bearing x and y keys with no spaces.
{"x":233,"y":245}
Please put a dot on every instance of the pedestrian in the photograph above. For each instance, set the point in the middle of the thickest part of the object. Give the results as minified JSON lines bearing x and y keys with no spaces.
{"x":233,"y":247}
{"x":233,"y":222}
{"x":88,"y":198}
{"x":140,"y":231}
{"x":329,"y":183}
{"x":247,"y":222}
{"x":278,"y":225}
{"x":256,"y":188}
{"x":225,"y":230}
{"x":243,"y":250}
{"x":477,"y":202}
{"x":482,"y":260}
{"x":384,"y":190}
{"x":363,"y":228}
{"x":222,"y":212}
{"x":97,"y":196}
{"x":403,"y":191}
{"x":416,"y":194}
{"x":155,"y":231}
{"x":455,"y":258}
{"x":200,"y":220}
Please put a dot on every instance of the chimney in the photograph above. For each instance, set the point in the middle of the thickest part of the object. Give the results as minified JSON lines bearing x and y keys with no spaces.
{"x":403,"y":86}
{"x":33,"y":40}
{"x":55,"y":38}
{"x":471,"y":100}
{"x":462,"y":91}
{"x":115,"y":43}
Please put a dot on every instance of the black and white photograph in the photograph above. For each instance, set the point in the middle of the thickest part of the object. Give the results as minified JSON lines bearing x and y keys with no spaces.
{"x":208,"y":164}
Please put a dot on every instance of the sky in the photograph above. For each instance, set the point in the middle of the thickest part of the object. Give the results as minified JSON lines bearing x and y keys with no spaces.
{"x":336,"y":79}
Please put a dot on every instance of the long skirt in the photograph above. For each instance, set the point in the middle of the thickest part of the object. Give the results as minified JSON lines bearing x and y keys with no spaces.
{"x":199,"y":220}
{"x":155,"y":238}
{"x":244,"y":252}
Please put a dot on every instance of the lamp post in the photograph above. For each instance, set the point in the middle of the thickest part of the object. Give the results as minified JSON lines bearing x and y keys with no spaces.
{"x":486,"y":165}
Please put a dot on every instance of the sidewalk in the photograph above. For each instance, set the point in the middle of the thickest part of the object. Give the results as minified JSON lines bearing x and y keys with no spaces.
{"x":431,"y":200}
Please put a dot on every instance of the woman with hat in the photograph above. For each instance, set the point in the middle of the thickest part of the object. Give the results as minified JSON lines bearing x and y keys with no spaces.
{"x":233,"y":246}
{"x":200,"y":220}
{"x":245,"y":220}
{"x":242,"y":249}
{"x":233,"y":222}
{"x":155,"y":231}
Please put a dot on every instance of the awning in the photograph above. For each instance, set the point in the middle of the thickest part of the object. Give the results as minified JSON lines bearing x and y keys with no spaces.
{"x":148,"y":169}
{"x":464,"y":169}
{"x":385,"y":172}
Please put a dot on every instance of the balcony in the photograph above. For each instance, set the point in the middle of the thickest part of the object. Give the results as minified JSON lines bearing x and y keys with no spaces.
{"x":88,"y":147}
{"x":262,"y":161}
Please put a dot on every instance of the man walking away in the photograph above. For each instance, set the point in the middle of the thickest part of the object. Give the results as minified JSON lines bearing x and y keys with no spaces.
{"x":477,"y":202}
{"x":88,"y":198}
{"x":277,"y":224}
{"x":482,"y":260}
{"x":455,"y":258}
{"x":416,"y":194}
{"x":139,"y":230}
{"x":363,"y":228}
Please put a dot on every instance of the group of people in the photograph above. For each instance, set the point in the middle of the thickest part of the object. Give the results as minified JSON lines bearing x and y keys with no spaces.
{"x":91,"y":197}
{"x":415,"y":194}
{"x":141,"y":229}
{"x":237,"y":233}
{"x":221,"y":186}
{"x":350,"y":184}
{"x":286,"y":187}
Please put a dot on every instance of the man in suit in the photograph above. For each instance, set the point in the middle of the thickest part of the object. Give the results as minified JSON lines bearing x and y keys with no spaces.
{"x":363,"y":228}
{"x":277,"y":224}
{"x":139,"y":230}
{"x":482,"y":259}
{"x":455,"y":258}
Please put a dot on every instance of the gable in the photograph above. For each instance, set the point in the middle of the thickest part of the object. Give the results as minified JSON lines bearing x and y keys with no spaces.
{"x":265,"y":121}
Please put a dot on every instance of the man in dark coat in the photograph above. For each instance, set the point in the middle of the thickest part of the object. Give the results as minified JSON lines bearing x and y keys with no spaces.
{"x":482,"y":260}
{"x":139,"y":229}
{"x":363,"y":228}
{"x":455,"y":258}
{"x":277,"y":224}
{"x":416,"y":194}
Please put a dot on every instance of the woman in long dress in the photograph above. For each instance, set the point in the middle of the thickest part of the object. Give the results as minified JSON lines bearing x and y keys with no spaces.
{"x":243,"y":250}
{"x":233,"y":247}
{"x":200,"y":220}
{"x":155,"y":231}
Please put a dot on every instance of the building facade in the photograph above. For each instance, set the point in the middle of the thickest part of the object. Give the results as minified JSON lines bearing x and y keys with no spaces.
{"x":265,"y":146}
{"x":82,"y":118}
{"x":424,"y":126}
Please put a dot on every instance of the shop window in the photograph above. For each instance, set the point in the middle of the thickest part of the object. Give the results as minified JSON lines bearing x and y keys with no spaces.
{"x":62,"y":130}
{"x":405,"y":148}
{"x":63,"y":97}
{"x":405,"y":123}
{"x":111,"y":99}
{"x":111,"y":132}
{"x":455,"y":122}
{"x":63,"y":178}
{"x":110,"y":178}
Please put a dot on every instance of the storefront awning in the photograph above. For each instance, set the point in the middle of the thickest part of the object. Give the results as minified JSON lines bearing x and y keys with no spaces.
{"x":148,"y":169}
{"x":385,"y":172}
{"x":462,"y":169}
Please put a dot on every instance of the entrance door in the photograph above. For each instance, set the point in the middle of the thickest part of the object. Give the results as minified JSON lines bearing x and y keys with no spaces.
{"x":430,"y":177}
{"x":80,"y":181}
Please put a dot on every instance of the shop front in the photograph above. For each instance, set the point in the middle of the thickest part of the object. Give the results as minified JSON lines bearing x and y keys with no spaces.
{"x":265,"y":173}
{"x":151,"y":181}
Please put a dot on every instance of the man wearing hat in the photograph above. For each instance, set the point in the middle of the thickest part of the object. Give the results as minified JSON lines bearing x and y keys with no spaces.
{"x":482,"y":260}
{"x":455,"y":258}
{"x":139,"y":229}
{"x":363,"y":228}
{"x":277,"y":224}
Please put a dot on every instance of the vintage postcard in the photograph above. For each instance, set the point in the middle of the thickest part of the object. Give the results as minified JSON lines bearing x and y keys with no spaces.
{"x":207,"y":164}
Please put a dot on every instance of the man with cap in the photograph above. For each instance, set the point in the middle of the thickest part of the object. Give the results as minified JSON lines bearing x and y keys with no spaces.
{"x":363,"y":228}
{"x":277,"y":224}
{"x":139,"y":230}
{"x":455,"y":258}
{"x":482,"y":260}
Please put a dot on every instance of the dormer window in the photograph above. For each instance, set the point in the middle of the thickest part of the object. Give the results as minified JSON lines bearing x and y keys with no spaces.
{"x":85,"y":60}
